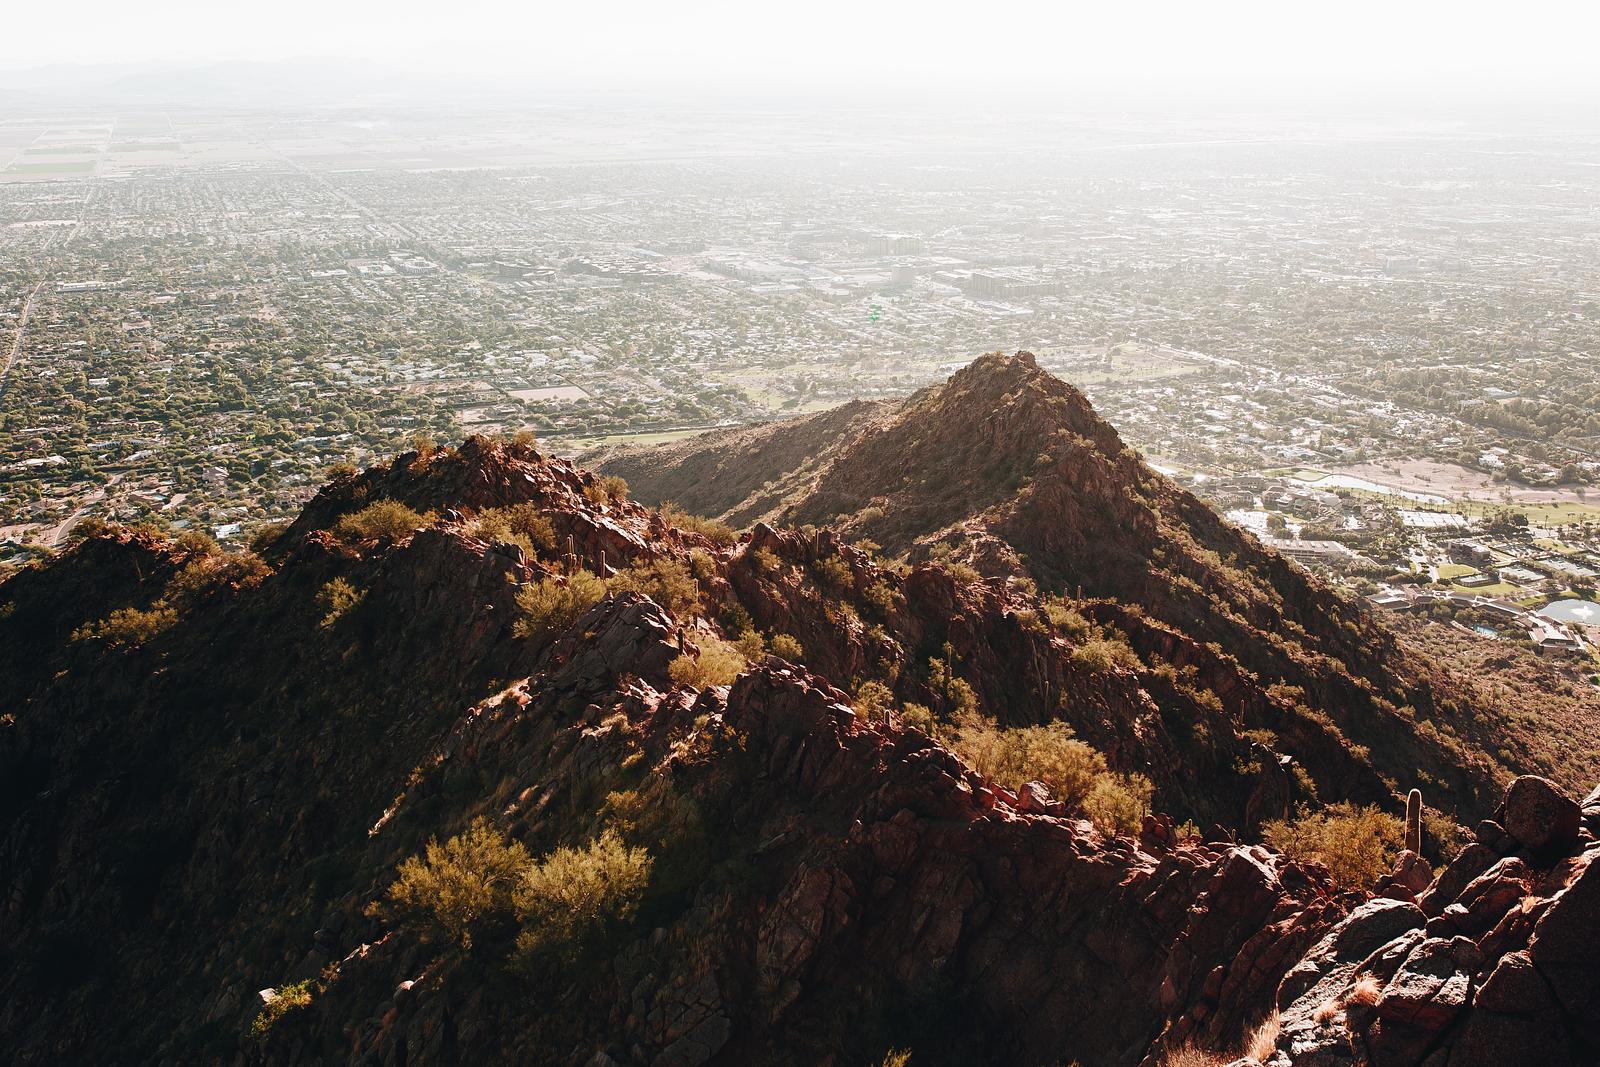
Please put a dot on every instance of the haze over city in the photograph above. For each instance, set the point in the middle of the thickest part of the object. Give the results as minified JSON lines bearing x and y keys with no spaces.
{"x":875,"y":535}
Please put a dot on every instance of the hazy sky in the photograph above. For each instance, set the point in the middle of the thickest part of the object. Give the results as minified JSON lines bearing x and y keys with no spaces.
{"x":1481,"y":46}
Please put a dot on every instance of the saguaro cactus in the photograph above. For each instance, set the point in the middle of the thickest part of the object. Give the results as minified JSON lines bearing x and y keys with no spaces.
{"x":1414,"y":821}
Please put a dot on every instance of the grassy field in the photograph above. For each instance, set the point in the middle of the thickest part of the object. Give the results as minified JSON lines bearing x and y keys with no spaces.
{"x":65,"y":166}
{"x":1503,"y":589}
{"x":582,"y":444}
{"x":1551,"y":514}
{"x":1455,"y":570}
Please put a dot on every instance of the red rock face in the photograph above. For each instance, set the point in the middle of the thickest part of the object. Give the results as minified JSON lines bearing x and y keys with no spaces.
{"x":210,"y":812}
{"x":1505,"y":971}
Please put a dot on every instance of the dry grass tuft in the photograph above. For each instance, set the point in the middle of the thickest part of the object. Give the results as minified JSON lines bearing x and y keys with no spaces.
{"x":1264,"y":1041}
{"x":1365,"y":991}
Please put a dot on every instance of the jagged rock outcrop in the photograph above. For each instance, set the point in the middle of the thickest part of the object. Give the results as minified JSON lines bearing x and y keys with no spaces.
{"x":1008,"y":469}
{"x":199,"y":811}
{"x":1495,"y":964}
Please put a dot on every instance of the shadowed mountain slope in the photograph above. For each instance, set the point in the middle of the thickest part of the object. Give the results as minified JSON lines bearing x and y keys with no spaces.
{"x":723,"y":815}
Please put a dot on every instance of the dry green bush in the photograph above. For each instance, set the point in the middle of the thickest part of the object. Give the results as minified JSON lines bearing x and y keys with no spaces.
{"x":962,"y":572}
{"x":381,"y":520}
{"x":205,"y":573}
{"x":130,"y":627}
{"x":718,"y":663}
{"x":266,"y":535}
{"x":554,"y":603}
{"x":787,"y":647}
{"x":1074,"y":772}
{"x":832,"y":575}
{"x":766,"y":561}
{"x":197,"y":543}
{"x":880,"y":597}
{"x":920,"y":717}
{"x":610,"y":489}
{"x":959,"y":698}
{"x":751,"y":645}
{"x":575,"y":893}
{"x":1067,"y":620}
{"x":874,"y":702}
{"x":291,"y":997}
{"x":1118,"y":803}
{"x":714,"y":530}
{"x":1102,"y":654}
{"x":1014,"y":756}
{"x":336,"y":599}
{"x":1356,"y":844}
{"x":666,"y":581}
{"x":453,"y":886}
{"x":519,"y":524}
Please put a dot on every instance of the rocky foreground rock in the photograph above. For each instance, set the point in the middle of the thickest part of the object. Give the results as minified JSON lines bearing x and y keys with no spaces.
{"x":1496,"y":962}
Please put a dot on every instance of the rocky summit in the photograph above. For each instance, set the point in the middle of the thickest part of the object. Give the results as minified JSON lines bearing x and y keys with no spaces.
{"x":981,"y":742}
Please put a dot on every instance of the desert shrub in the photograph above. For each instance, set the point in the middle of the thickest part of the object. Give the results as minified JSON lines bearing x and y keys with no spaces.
{"x":1048,"y":754}
{"x":896,"y":1057}
{"x":714,"y":530}
{"x":1101,"y":654}
{"x":341,"y":471}
{"x":423,"y":444}
{"x":289,"y":998}
{"x":526,"y":440}
{"x":963,"y":572}
{"x":718,"y":663}
{"x":751,"y":645}
{"x":666,"y":581}
{"x":879,"y":597}
{"x":576,"y":893}
{"x":267,"y":535}
{"x":766,"y":561}
{"x":787,"y":647}
{"x":874,"y":701}
{"x":87,"y":527}
{"x":1442,"y":836}
{"x":130,"y":627}
{"x":198,"y":543}
{"x":205,"y":573}
{"x":919,"y":716}
{"x":1074,"y":772}
{"x":554,"y":603}
{"x":735,"y":619}
{"x":452,"y":887}
{"x":519,"y":524}
{"x":832,"y":575}
{"x":702,"y":564}
{"x":1066,"y":620}
{"x":1356,"y":844}
{"x":1118,"y":803}
{"x":959,"y":699}
{"x":381,"y":520}
{"x":336,"y":598}
{"x":610,"y":489}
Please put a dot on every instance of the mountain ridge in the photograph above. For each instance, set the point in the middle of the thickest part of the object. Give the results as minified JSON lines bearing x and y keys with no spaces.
{"x":217,"y":795}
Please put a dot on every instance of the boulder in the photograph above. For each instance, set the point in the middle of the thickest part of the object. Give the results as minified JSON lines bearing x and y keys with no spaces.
{"x":1540,"y":816}
{"x":1493,"y":836}
{"x":1468,"y":864}
{"x":1564,"y":948}
{"x":1591,"y":812}
{"x":1429,"y":990}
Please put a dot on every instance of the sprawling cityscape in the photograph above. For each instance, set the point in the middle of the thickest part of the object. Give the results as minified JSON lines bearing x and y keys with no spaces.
{"x":1374,"y":347}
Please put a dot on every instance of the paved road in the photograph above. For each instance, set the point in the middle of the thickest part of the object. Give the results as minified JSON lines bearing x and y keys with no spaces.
{"x":16,"y":344}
